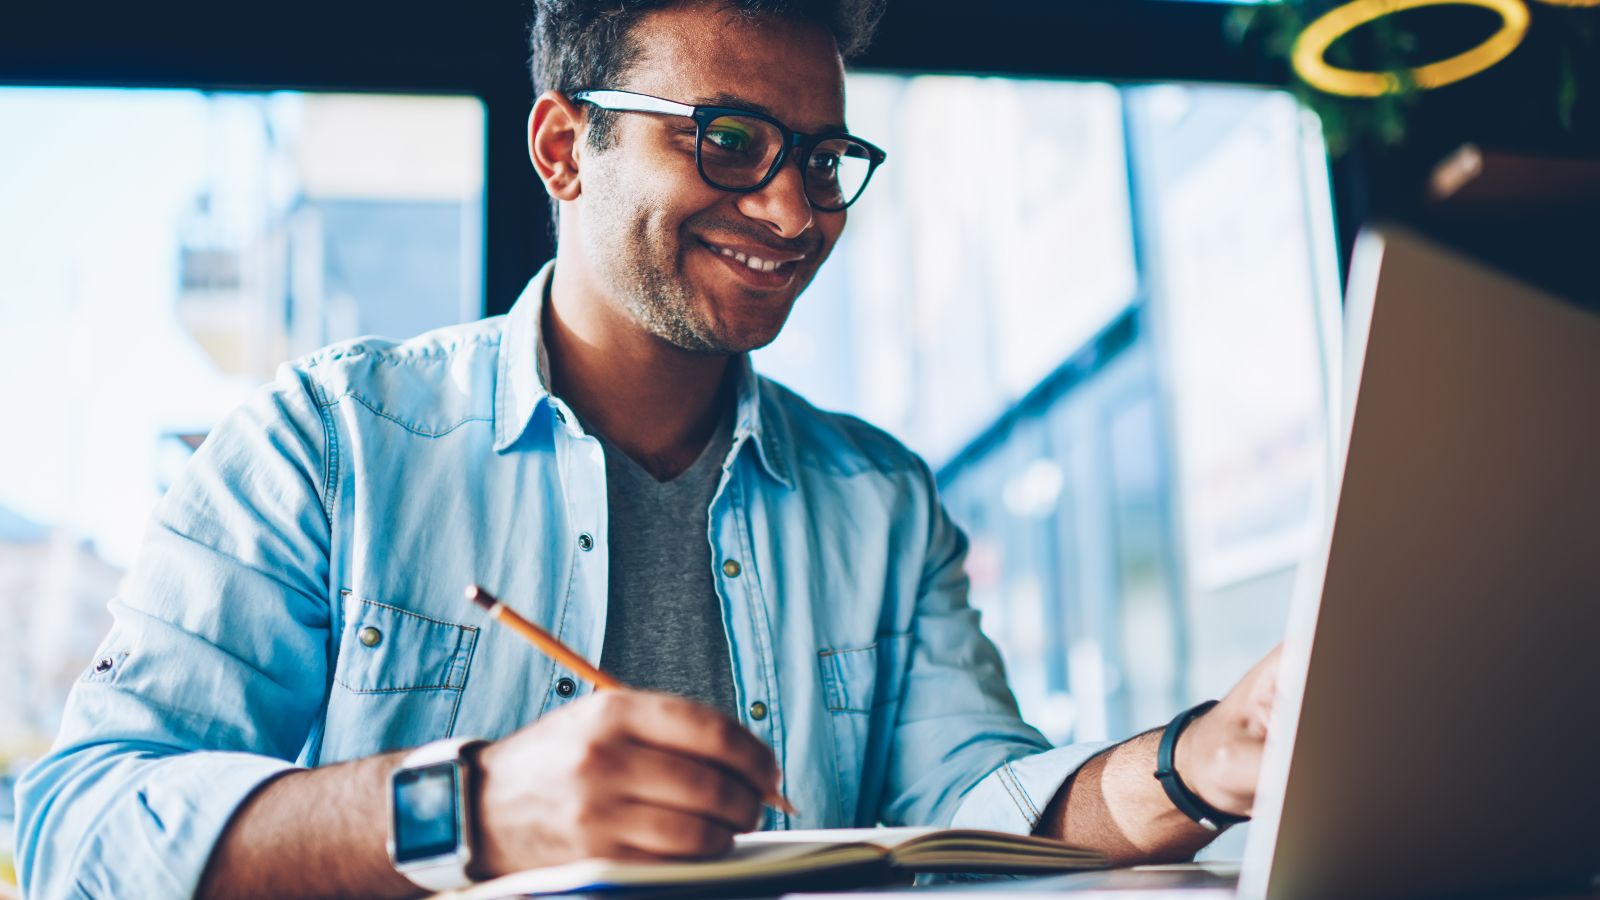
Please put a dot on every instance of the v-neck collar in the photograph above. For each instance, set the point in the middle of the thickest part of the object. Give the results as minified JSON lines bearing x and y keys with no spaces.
{"x":720,"y":439}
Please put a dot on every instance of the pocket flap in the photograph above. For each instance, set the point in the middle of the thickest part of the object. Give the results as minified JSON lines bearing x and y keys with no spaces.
{"x":385,"y":648}
{"x":856,"y":679}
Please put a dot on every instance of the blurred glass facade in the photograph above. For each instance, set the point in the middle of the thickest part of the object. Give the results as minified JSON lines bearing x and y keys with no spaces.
{"x":1104,"y":315}
{"x":161,"y":252}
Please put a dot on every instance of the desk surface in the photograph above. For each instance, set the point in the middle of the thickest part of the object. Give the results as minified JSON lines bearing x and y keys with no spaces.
{"x":1194,"y":881}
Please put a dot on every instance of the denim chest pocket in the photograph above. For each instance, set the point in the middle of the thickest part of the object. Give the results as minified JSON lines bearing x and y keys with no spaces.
{"x":385,"y":649}
{"x":397,"y":682}
{"x":860,"y":686}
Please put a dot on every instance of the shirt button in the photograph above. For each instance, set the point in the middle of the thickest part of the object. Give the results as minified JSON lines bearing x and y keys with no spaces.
{"x":585,"y":542}
{"x":370,"y":636}
{"x":566,"y":687}
{"x":758,"y":710}
{"x":561,"y":417}
{"x":104,"y":665}
{"x":731,"y":568}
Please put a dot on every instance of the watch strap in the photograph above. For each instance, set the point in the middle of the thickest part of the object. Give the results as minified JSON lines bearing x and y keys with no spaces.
{"x":437,"y":752}
{"x":439,"y":879}
{"x":1186,"y":800}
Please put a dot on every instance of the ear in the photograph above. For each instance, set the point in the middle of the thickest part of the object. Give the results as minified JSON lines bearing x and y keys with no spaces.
{"x":554,"y":129}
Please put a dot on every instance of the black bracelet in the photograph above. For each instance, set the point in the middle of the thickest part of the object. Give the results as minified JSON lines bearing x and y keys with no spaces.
{"x":1187,"y":801}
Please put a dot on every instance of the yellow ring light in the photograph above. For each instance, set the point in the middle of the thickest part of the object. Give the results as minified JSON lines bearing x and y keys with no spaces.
{"x":1317,"y":37}
{"x":1570,"y":2}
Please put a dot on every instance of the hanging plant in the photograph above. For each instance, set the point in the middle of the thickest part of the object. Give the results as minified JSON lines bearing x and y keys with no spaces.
{"x":1372,"y":92}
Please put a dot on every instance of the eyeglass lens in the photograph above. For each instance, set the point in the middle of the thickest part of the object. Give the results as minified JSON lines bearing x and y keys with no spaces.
{"x":737,"y":152}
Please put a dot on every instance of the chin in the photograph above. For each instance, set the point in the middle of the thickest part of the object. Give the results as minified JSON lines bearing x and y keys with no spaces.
{"x":756,"y":328}
{"x":750,"y":344}
{"x":723,"y":342}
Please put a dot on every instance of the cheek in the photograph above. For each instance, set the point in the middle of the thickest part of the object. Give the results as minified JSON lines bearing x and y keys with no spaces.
{"x":831,"y":227}
{"x":633,"y":228}
{"x":666,"y":187}
{"x":629,"y":193}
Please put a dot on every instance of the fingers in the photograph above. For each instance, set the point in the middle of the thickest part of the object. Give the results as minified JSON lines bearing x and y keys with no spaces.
{"x":1220,"y":753}
{"x":689,"y":729}
{"x":658,"y":831}
{"x":626,"y":830}
{"x":622,"y":775}
{"x":1263,"y":692}
{"x":666,"y":779}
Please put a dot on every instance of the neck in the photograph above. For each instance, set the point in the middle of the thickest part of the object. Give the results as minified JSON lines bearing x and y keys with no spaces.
{"x":656,"y":402}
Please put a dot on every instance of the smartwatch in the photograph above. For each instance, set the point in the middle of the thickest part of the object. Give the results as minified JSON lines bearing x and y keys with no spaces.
{"x":429,"y":806}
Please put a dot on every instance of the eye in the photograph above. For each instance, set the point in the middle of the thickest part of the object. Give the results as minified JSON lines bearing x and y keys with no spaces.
{"x":728,"y":137}
{"x":823,"y":162}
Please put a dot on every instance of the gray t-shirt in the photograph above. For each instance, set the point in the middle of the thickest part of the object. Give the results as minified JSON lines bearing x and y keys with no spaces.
{"x":664,"y":628}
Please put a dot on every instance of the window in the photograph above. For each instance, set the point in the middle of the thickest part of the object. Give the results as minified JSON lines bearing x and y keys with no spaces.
{"x":995,"y":241}
{"x":1103,"y":314}
{"x":161,"y":251}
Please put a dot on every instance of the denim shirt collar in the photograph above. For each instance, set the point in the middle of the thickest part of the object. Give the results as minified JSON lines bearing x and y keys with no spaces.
{"x":522,"y":388}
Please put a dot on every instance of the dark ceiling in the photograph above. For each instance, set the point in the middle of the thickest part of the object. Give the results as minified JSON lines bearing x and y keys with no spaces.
{"x":408,"y":44}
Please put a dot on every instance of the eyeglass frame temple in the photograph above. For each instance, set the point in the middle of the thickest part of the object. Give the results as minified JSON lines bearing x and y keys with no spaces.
{"x":630,"y":101}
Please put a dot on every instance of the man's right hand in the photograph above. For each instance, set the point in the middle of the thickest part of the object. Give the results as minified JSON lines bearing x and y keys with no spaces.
{"x":622,"y":775}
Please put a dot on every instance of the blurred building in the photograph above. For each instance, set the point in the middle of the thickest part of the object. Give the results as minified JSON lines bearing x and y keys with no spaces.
{"x":158,"y":280}
{"x":1106,"y":324}
{"x":347,"y":215}
{"x":53,"y":593}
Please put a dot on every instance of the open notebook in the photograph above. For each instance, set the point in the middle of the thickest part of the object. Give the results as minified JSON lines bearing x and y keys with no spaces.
{"x":870,"y":854}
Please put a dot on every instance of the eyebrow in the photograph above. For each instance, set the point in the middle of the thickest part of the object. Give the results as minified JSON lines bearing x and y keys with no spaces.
{"x":741,"y":103}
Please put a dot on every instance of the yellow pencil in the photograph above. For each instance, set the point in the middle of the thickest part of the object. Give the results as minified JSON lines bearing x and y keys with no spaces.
{"x":544,"y":640}
{"x":552,"y":647}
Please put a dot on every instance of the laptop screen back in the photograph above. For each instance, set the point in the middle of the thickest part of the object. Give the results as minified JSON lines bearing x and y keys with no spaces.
{"x":1446,"y":737}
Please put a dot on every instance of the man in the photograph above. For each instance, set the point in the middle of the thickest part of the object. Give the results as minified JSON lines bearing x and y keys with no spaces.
{"x":784,"y":580}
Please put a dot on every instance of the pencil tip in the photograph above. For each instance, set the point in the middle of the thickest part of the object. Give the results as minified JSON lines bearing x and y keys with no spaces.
{"x":480,"y":596}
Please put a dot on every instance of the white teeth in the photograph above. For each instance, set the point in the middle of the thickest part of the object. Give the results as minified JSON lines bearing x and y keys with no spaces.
{"x":754,"y":262}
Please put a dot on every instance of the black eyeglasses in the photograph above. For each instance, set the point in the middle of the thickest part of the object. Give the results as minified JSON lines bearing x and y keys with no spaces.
{"x":741,"y":150}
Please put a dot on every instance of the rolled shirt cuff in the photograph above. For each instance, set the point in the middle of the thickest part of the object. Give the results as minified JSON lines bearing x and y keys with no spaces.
{"x":155,"y":839}
{"x":1013,"y":797}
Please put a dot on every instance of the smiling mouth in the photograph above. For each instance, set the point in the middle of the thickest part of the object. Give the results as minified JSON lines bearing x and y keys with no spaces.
{"x":754,"y":262}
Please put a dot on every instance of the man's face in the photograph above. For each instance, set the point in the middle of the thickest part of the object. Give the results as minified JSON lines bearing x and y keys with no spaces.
{"x":656,"y":235}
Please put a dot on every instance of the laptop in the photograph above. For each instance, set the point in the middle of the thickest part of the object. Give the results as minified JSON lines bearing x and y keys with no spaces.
{"x":1437,"y":730}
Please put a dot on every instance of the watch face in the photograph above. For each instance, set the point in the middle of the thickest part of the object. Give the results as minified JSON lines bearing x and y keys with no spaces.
{"x":426,"y":820}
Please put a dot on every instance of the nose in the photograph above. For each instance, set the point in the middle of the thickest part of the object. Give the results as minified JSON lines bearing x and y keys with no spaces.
{"x":781,"y":204}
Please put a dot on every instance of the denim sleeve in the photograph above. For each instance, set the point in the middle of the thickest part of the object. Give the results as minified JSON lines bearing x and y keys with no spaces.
{"x":962,"y":756}
{"x":212,"y":674}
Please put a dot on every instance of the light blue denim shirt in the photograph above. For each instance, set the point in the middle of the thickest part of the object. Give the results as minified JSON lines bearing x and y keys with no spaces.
{"x":298,"y":602}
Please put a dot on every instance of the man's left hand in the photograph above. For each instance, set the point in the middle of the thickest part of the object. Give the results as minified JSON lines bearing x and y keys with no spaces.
{"x":1219,"y":755}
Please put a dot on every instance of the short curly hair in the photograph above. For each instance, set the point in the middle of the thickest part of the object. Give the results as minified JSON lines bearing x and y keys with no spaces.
{"x":579,"y":44}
